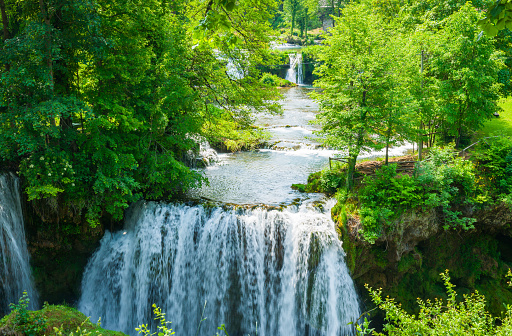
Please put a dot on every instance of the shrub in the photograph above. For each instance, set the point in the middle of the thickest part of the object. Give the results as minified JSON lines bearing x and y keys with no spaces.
{"x":383,"y":198}
{"x":273,"y":80}
{"x":467,"y":317}
{"x":443,"y":181}
{"x":493,"y":157}
{"x":27,"y":322}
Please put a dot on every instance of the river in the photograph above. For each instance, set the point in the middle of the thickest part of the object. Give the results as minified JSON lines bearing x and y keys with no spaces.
{"x":263,"y":260}
{"x":258,"y":270}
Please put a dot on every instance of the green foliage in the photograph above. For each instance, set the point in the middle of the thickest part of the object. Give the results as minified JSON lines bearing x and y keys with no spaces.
{"x":443,"y":181}
{"x":448,"y":181}
{"x":466,"y":65}
{"x":494,"y":160}
{"x":80,"y":330}
{"x":24,"y":321}
{"x":100,"y":102}
{"x":273,"y":80}
{"x":163,"y":328}
{"x":497,"y":17}
{"x":51,"y":320}
{"x":383,"y":198}
{"x":227,"y":134}
{"x":467,"y":317}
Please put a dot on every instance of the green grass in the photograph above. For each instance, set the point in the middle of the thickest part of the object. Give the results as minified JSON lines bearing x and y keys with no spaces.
{"x":502,"y":124}
{"x":66,"y":319}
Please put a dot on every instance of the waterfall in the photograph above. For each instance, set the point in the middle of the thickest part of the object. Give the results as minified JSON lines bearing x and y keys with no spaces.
{"x":234,"y":70}
{"x":15,"y":274}
{"x":264,"y":272}
{"x":207,"y":154}
{"x":294,"y":73}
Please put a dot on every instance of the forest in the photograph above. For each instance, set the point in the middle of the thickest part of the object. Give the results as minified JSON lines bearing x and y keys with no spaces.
{"x":107,"y":103}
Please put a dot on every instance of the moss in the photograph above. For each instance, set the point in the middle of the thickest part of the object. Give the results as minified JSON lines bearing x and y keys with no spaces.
{"x":314,"y":182}
{"x":299,"y":187}
{"x":65,"y":318}
{"x":473,"y":260}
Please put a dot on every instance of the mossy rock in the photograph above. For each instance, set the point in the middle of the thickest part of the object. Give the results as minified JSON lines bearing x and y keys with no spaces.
{"x":299,"y":187}
{"x":53,"y":320}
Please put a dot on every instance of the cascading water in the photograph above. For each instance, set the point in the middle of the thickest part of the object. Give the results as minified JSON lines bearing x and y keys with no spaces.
{"x":15,"y":274}
{"x":259,"y":271}
{"x":294,"y":73}
{"x":283,"y":271}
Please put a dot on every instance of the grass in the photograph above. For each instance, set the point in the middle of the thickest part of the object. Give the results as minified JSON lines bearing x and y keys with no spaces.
{"x":502,"y":124}
{"x":66,"y":319}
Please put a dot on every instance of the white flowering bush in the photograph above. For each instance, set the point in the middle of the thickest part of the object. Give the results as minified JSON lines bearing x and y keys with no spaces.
{"x":47,"y":174}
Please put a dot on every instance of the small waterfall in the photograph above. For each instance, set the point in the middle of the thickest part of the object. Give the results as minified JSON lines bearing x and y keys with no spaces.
{"x":294,"y":73}
{"x":260,"y":271}
{"x":234,"y":70}
{"x":207,"y":154}
{"x":15,"y":274}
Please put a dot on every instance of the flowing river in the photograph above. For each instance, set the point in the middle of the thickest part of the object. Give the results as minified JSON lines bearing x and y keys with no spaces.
{"x":267,"y":262}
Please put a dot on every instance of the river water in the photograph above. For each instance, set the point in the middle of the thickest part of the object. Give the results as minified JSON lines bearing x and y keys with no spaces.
{"x":254,"y":268}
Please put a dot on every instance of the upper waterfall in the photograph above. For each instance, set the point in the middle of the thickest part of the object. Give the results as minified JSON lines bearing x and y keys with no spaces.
{"x":294,"y":73}
{"x":15,"y":274}
{"x":274,"y":272}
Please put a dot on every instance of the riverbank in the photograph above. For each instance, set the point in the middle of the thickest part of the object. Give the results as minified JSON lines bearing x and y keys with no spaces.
{"x":398,"y":236}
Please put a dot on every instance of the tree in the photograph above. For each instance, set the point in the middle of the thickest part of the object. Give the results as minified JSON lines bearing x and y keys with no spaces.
{"x":363,"y":94}
{"x":465,"y":66}
{"x":101,"y":100}
{"x":498,"y":17}
{"x":292,"y":9}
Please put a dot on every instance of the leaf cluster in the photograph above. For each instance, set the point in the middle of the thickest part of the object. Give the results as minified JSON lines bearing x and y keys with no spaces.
{"x":443,"y":181}
{"x":453,"y":317}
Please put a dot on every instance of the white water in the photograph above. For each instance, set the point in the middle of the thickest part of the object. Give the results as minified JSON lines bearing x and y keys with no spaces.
{"x":294,"y":73}
{"x":277,"y":272}
{"x":15,"y":274}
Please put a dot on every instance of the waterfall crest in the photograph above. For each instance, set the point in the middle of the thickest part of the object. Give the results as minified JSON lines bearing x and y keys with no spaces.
{"x":277,"y":272}
{"x":294,"y":73}
{"x":15,"y":273}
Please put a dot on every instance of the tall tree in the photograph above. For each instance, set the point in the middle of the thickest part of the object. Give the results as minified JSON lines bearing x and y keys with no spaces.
{"x":360,"y":78}
{"x":465,"y":66}
{"x":101,"y":100}
{"x":292,"y":9}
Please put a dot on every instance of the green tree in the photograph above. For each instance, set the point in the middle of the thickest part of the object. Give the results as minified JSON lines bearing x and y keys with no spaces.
{"x":101,"y":100}
{"x":465,"y":66}
{"x":363,"y":94}
{"x":292,"y":9}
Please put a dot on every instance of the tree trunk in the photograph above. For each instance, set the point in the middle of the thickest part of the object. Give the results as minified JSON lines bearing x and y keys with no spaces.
{"x":49,"y":60}
{"x":388,"y":137}
{"x":420,"y":141}
{"x":293,"y":24}
{"x":350,"y":172}
{"x":306,"y":26}
{"x":5,"y":22}
{"x":359,"y":143}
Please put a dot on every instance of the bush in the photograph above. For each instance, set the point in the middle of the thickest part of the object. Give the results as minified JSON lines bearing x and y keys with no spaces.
{"x":443,"y":181}
{"x":273,"y":80}
{"x":493,"y":157}
{"x":51,"y":320}
{"x":467,"y":317}
{"x":448,"y":182}
{"x":24,"y":321}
